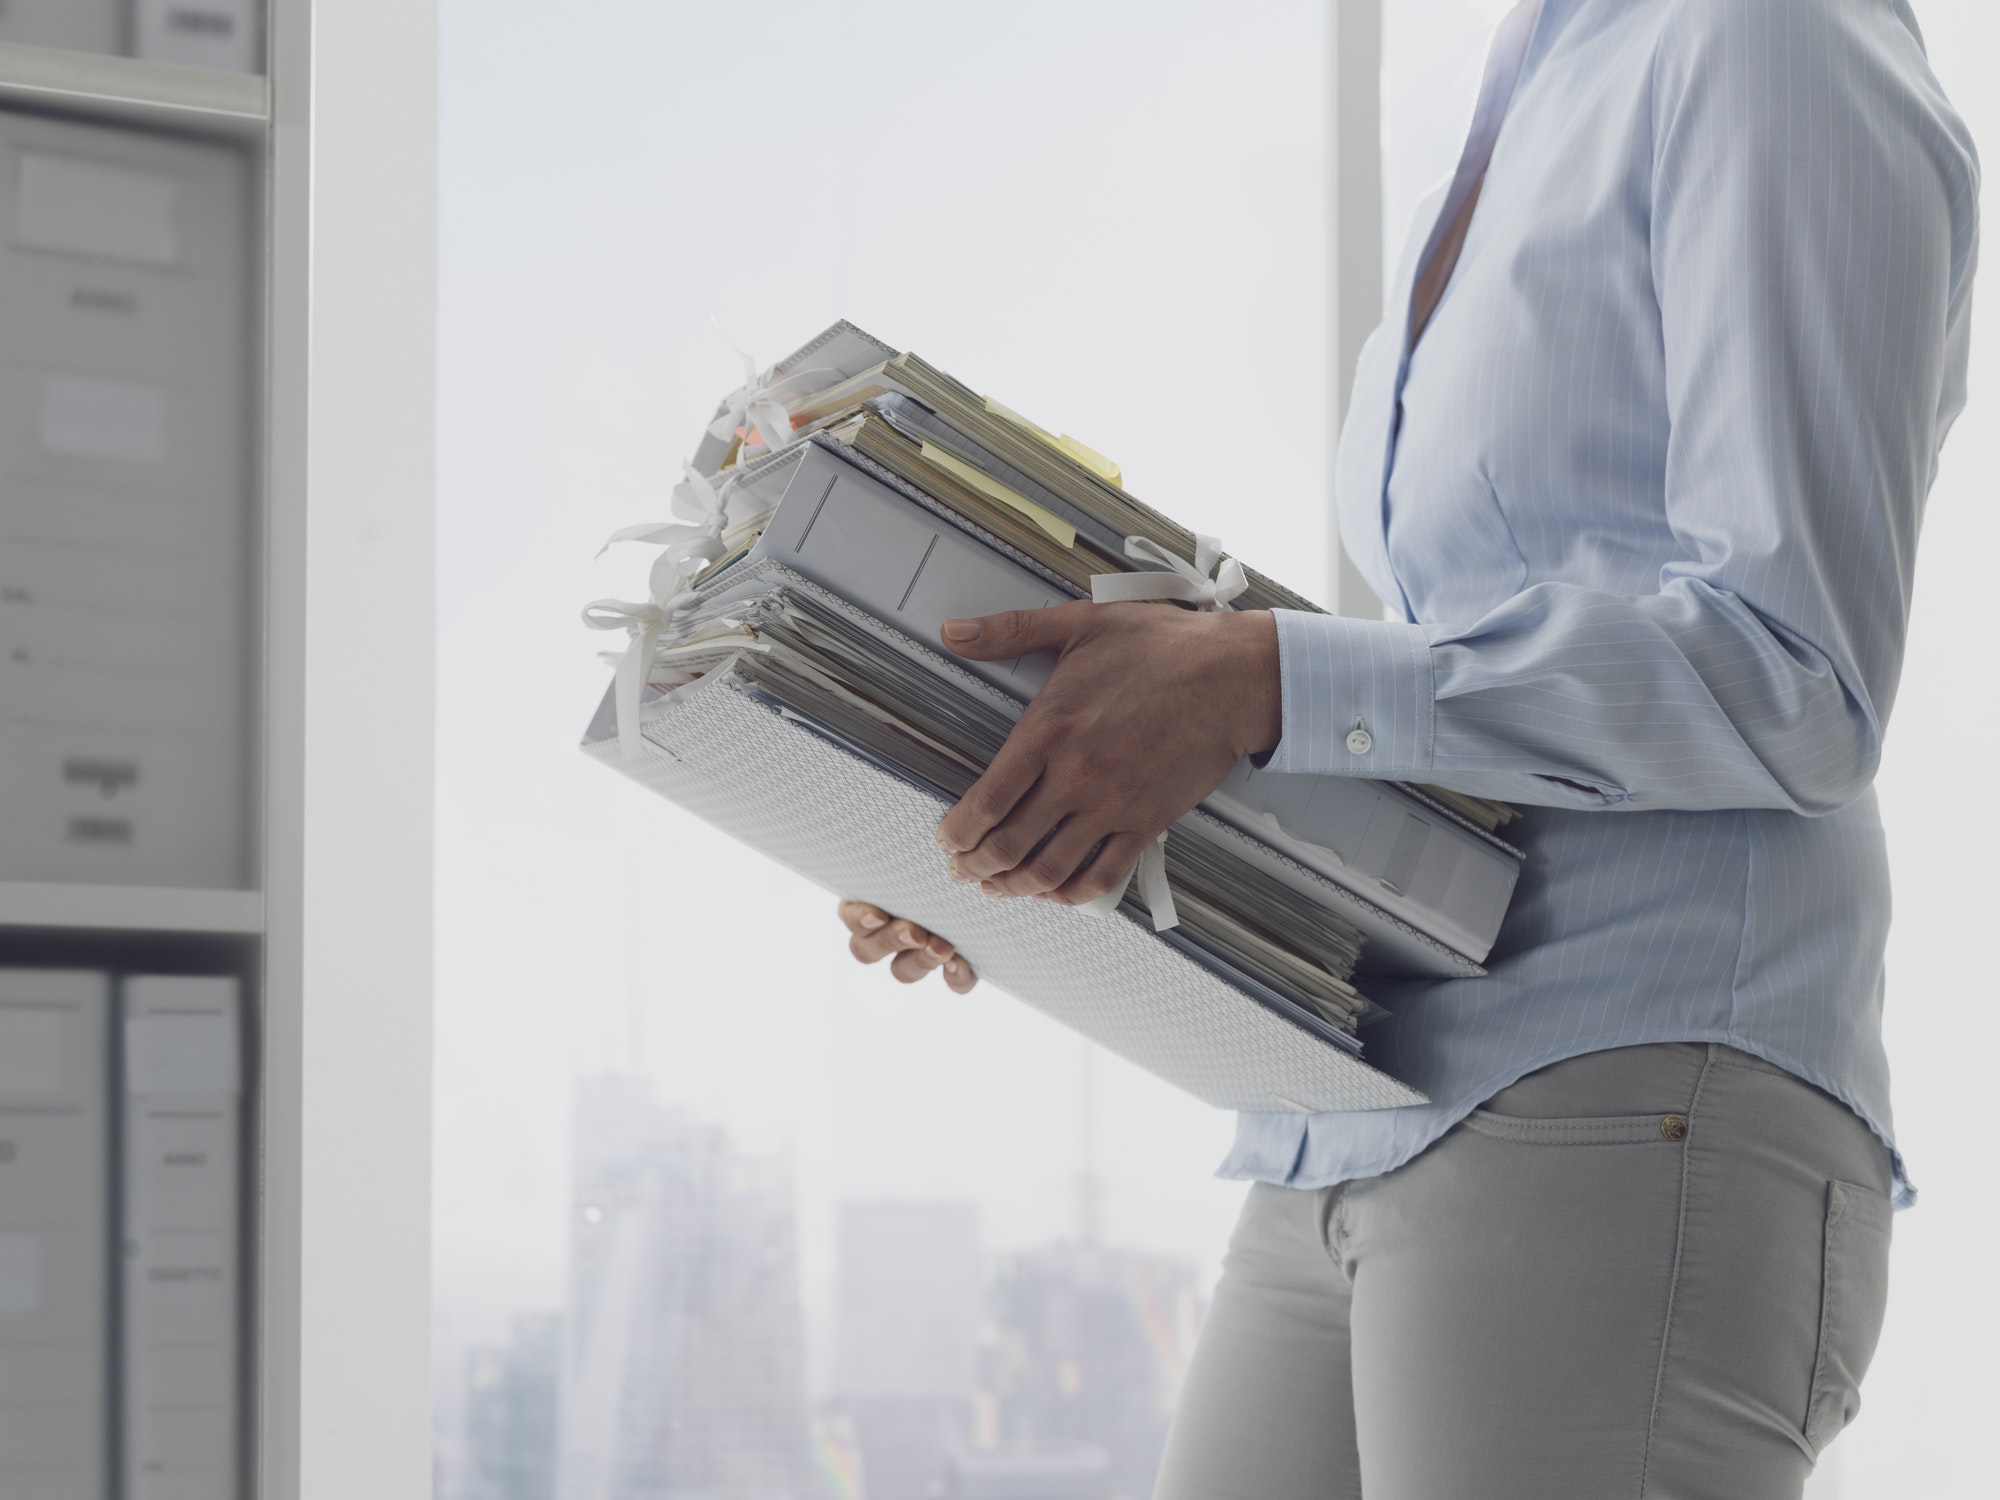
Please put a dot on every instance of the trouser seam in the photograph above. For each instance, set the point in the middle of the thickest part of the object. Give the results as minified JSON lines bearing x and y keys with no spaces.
{"x":1333,"y":1231}
{"x":1674,"y":1281}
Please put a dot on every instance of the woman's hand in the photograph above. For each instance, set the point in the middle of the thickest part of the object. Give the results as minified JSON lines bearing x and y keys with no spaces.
{"x":911,"y":951}
{"x":1147,"y":709}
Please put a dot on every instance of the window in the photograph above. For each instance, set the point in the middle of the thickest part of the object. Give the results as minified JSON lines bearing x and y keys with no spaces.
{"x":907,"y":1238}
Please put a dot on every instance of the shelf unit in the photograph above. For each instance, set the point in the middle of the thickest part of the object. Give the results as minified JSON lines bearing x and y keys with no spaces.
{"x":38,"y":905}
{"x":335,"y":944}
{"x":126,"y":91}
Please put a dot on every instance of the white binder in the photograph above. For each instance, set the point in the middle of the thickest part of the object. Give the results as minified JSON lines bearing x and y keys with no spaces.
{"x":182,"y":1184}
{"x":55,"y":1230}
{"x":81,"y":25}
{"x":224,"y":34}
{"x":124,"y":615}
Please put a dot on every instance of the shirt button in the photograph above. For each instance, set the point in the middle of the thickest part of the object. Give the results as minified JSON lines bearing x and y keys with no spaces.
{"x":1360,"y":742}
{"x":1674,"y":1127}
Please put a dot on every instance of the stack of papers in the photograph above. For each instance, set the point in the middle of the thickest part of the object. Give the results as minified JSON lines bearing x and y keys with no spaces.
{"x":783,"y":681}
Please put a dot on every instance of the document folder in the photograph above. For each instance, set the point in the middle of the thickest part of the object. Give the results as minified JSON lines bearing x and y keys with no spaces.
{"x":861,"y":832}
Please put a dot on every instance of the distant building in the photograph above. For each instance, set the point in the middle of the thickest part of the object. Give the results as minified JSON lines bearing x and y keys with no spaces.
{"x":684,"y":1368}
{"x":511,"y":1405}
{"x":908,"y":1308}
{"x":1071,"y":1473}
{"x":1089,"y":1349}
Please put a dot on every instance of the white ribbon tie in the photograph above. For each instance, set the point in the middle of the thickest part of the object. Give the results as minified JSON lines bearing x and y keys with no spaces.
{"x":759,"y":404}
{"x":1210,"y":582}
{"x":1151,"y":872}
{"x":643,"y":622}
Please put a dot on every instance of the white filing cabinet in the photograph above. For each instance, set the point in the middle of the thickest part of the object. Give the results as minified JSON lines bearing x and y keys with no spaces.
{"x":216,"y":327}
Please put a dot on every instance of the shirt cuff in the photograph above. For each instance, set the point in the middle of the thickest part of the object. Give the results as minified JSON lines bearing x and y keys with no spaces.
{"x":1358,"y":697}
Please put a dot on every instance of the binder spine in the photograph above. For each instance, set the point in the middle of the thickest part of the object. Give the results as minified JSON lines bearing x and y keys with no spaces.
{"x":55,"y":1230}
{"x":179,"y":1375}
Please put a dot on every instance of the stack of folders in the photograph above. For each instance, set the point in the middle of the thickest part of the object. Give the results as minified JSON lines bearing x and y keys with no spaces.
{"x":783,"y":682}
{"x":120,"y":1184}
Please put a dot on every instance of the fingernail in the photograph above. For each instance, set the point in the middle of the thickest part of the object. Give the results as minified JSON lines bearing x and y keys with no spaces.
{"x":961,"y":630}
{"x":990,"y":888}
{"x":872,"y":920}
{"x":906,"y":938}
{"x":952,"y":966}
{"x":940,"y":947}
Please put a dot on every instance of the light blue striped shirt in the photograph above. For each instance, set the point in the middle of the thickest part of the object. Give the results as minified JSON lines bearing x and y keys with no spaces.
{"x":1651,"y":522}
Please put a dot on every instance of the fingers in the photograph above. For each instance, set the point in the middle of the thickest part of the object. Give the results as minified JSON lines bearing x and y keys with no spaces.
{"x":1049,"y":866}
{"x":899,"y":936}
{"x":912,"y":952}
{"x":989,"y":799}
{"x":860,"y":917}
{"x":1107,"y":872}
{"x":1009,"y":842}
{"x":1017,"y":632}
{"x":914,"y":963}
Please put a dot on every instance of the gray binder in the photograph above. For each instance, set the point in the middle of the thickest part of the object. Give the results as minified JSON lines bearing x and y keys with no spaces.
{"x":182,"y":1183}
{"x":55,"y":1233}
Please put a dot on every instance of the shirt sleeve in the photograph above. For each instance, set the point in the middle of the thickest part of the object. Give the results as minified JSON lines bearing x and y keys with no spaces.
{"x":1813,"y":234}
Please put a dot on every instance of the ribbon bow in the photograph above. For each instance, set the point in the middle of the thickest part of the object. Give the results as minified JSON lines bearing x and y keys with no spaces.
{"x":758,"y":405}
{"x":1209,"y":582}
{"x":704,"y":506}
{"x":643,"y":622}
{"x":1151,"y":872}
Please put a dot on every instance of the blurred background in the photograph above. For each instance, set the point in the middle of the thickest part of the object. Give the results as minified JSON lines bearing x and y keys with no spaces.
{"x":869,"y":1240}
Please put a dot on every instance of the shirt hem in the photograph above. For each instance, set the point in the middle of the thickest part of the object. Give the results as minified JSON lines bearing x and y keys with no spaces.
{"x":1295,"y":1175}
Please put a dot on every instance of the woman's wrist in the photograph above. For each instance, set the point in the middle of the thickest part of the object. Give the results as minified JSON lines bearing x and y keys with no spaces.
{"x":1255,"y":697}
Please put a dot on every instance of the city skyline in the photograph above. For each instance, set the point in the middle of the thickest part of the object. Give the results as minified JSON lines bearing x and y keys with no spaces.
{"x":678,"y":1362}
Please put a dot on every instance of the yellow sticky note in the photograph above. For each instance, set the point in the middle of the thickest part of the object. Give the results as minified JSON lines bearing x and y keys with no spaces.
{"x":1066,"y":445}
{"x":993,"y":489}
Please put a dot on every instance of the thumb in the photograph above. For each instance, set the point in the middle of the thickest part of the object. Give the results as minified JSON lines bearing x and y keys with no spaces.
{"x":1017,"y":632}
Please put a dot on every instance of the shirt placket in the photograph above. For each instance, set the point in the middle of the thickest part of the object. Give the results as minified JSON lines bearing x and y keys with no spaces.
{"x":1505,"y":60}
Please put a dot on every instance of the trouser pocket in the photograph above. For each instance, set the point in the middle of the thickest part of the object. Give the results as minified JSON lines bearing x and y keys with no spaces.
{"x":1853,"y":1293}
{"x":1580,"y":1130}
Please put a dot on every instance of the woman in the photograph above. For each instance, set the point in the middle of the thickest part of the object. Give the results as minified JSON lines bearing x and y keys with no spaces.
{"x":1639,"y":459}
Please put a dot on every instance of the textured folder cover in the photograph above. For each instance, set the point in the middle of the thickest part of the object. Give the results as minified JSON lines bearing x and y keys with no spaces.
{"x":864,"y":833}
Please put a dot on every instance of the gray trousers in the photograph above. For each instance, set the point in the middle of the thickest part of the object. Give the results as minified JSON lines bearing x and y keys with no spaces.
{"x":1657,"y":1271}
